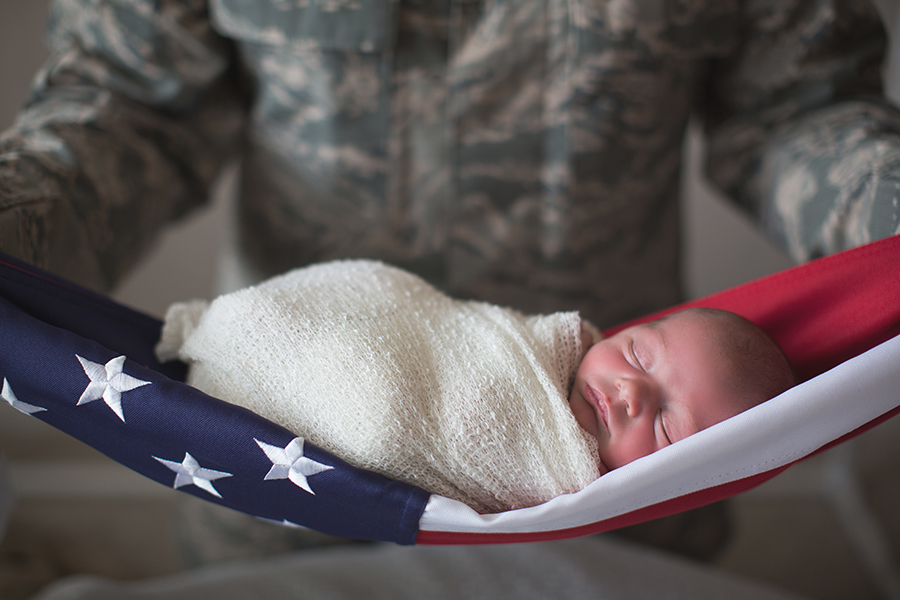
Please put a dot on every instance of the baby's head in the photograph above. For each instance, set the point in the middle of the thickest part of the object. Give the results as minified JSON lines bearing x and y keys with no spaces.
{"x":651,"y":385}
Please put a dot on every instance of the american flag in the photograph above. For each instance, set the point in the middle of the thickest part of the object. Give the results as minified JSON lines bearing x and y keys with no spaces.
{"x":85,"y":364}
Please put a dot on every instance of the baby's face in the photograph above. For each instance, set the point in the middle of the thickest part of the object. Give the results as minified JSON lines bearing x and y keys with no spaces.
{"x":651,"y":385}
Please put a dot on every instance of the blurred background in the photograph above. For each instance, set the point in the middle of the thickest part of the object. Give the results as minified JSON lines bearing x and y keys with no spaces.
{"x":78,"y":512}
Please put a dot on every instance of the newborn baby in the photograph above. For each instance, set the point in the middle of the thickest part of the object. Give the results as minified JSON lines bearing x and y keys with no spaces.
{"x":465,"y":399}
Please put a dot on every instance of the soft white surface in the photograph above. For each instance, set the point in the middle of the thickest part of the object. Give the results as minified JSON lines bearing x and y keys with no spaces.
{"x":7,"y":497}
{"x":589,"y":568}
{"x":766,"y":437}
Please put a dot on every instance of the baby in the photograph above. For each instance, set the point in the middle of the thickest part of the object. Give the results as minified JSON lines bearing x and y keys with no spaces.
{"x":651,"y":385}
{"x":465,"y":399}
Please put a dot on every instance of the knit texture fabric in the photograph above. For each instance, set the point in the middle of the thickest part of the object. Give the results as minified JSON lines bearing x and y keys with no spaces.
{"x":463,"y":399}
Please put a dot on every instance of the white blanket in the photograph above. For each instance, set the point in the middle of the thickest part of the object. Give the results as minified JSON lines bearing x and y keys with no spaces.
{"x":464,"y":399}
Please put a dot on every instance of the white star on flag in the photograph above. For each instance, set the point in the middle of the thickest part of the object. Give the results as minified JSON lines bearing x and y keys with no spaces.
{"x":8,"y":395}
{"x":283,"y":522}
{"x":289,"y":463}
{"x":189,"y":472}
{"x":108,"y":382}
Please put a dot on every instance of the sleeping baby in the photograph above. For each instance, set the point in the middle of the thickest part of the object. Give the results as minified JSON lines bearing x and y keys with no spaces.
{"x":465,"y":399}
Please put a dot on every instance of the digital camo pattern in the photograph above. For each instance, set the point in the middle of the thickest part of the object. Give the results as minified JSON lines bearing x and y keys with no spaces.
{"x":126,"y":128}
{"x":523,"y":152}
{"x":797,"y":137}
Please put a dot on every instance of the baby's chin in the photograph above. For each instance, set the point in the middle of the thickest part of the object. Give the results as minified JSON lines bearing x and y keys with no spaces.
{"x":601,"y":466}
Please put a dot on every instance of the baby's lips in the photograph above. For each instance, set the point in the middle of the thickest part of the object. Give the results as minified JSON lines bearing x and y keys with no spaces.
{"x":596,"y":399}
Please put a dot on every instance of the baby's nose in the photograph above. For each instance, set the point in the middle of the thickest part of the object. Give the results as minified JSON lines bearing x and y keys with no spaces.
{"x":637,"y":395}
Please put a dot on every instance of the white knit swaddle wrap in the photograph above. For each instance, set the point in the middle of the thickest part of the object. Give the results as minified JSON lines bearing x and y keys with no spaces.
{"x":464,"y":399}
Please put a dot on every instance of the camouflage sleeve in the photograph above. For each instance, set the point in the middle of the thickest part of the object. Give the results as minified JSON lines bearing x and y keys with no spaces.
{"x":799,"y":133}
{"x":126,"y":128}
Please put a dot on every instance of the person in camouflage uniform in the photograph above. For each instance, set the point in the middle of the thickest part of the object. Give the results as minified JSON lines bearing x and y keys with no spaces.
{"x":521,"y":152}
{"x":526,"y":153}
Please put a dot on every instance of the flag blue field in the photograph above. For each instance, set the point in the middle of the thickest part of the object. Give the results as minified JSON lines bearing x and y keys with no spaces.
{"x":84,"y":364}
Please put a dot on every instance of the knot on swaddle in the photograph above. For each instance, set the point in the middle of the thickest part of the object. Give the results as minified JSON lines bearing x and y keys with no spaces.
{"x":181,"y":320}
{"x":463,"y":399}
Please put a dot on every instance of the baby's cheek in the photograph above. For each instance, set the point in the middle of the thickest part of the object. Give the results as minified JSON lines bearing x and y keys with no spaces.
{"x":628,"y":449}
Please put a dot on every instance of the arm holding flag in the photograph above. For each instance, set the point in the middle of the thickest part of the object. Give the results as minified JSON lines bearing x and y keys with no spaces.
{"x":127,"y":126}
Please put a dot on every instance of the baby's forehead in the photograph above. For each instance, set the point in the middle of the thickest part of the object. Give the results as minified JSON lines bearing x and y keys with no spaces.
{"x":697,"y":317}
{"x":700,"y":329}
{"x":716,"y":330}
{"x":700,"y":343}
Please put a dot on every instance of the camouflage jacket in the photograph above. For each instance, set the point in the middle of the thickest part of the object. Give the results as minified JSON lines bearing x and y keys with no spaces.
{"x":525,"y":152}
